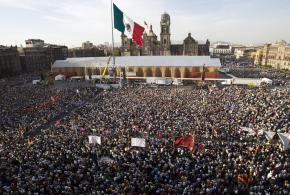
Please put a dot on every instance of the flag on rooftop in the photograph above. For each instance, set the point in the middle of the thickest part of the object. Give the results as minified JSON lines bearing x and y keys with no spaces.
{"x":127,"y":26}
{"x":145,"y":23}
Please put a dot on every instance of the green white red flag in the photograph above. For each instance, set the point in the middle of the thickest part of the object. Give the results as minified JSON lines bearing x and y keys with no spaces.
{"x":127,"y":26}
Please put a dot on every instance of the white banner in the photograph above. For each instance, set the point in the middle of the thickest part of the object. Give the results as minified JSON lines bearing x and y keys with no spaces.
{"x":285,"y":138}
{"x":269,"y":135}
{"x":34,"y":82}
{"x":260,"y":132}
{"x":106,"y":160}
{"x":139,"y":142}
{"x":249,"y":130}
{"x":94,"y":139}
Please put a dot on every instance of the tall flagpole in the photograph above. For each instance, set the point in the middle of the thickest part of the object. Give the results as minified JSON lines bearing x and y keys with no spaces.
{"x":112,"y":33}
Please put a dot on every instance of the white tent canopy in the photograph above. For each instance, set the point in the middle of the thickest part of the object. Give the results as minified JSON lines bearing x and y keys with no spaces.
{"x":269,"y":135}
{"x":59,"y":77}
{"x":285,"y":138}
{"x":266,"y":80}
{"x":124,"y":61}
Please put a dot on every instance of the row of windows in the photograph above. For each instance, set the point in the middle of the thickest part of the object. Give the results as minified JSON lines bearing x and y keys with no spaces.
{"x":271,"y":62}
{"x":273,"y":49}
{"x":271,"y":57}
{"x":222,"y":51}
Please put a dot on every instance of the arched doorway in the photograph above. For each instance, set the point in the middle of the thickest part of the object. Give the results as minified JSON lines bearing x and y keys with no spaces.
{"x":167,"y":72}
{"x":139,"y":73}
{"x":106,"y":72}
{"x":80,"y":72}
{"x":97,"y":71}
{"x":177,"y":73}
{"x":158,"y":72}
{"x":89,"y":72}
{"x":187,"y":73}
{"x":149,"y":72}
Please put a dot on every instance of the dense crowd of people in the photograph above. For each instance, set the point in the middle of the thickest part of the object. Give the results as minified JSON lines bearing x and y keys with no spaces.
{"x":58,"y":159}
{"x":279,"y":77}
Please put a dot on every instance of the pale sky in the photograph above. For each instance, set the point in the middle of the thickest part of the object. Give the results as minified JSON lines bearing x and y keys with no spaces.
{"x":72,"y":22}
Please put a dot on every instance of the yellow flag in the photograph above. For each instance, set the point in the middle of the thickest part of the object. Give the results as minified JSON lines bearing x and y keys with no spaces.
{"x":104,"y":72}
{"x":29,"y":142}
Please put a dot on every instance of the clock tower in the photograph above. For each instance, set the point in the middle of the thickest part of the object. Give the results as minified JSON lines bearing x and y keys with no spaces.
{"x":165,"y":35}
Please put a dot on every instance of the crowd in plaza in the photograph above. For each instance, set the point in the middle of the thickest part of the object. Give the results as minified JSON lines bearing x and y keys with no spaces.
{"x":279,"y":77}
{"x":58,"y":158}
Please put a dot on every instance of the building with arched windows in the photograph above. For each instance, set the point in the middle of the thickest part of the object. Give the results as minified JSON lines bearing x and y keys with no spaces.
{"x":276,"y":55}
{"x":184,"y":67}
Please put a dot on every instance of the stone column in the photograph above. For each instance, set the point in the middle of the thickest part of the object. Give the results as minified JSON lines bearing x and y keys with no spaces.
{"x":118,"y":70}
{"x":153,"y":71}
{"x":172,"y":71}
{"x":144,"y":71}
{"x":135,"y":69}
{"x":182,"y":71}
{"x":163,"y":71}
{"x":101,"y":70}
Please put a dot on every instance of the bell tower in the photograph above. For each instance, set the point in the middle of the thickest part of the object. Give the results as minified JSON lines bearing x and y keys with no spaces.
{"x":165,"y":35}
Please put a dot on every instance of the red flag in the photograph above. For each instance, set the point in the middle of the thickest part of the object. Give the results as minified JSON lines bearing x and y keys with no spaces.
{"x":137,"y":34}
{"x":244,"y":178}
{"x":82,"y":130}
{"x":185,"y":141}
{"x":21,"y":130}
{"x":200,"y":146}
{"x":136,"y":128}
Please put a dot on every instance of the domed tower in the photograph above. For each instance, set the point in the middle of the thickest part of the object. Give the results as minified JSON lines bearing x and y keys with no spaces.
{"x":150,"y":43}
{"x":190,"y":46}
{"x":165,"y":34}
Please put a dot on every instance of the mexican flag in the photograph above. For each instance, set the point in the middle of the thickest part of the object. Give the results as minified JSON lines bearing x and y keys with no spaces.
{"x":127,"y":26}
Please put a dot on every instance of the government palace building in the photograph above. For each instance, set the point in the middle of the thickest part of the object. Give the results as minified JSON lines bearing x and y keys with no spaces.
{"x":152,"y":47}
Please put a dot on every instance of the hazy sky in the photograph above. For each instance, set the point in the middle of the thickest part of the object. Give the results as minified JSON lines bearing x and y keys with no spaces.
{"x":72,"y":22}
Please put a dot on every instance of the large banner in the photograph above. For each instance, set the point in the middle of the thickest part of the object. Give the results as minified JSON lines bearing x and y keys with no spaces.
{"x":285,"y":138}
{"x":94,"y":139}
{"x":249,"y":130}
{"x":269,"y":135}
{"x":139,"y":142}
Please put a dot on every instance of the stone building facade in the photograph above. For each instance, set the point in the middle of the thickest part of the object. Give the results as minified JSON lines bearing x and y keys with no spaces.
{"x":153,"y":47}
{"x":9,"y":61}
{"x":258,"y":57}
{"x":85,"y":52}
{"x":56,"y":52}
{"x":39,"y":56}
{"x":277,"y":55}
{"x":34,"y":59}
{"x":173,"y":72}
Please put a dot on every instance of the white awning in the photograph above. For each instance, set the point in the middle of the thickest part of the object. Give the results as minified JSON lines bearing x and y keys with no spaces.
{"x":127,"y":61}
